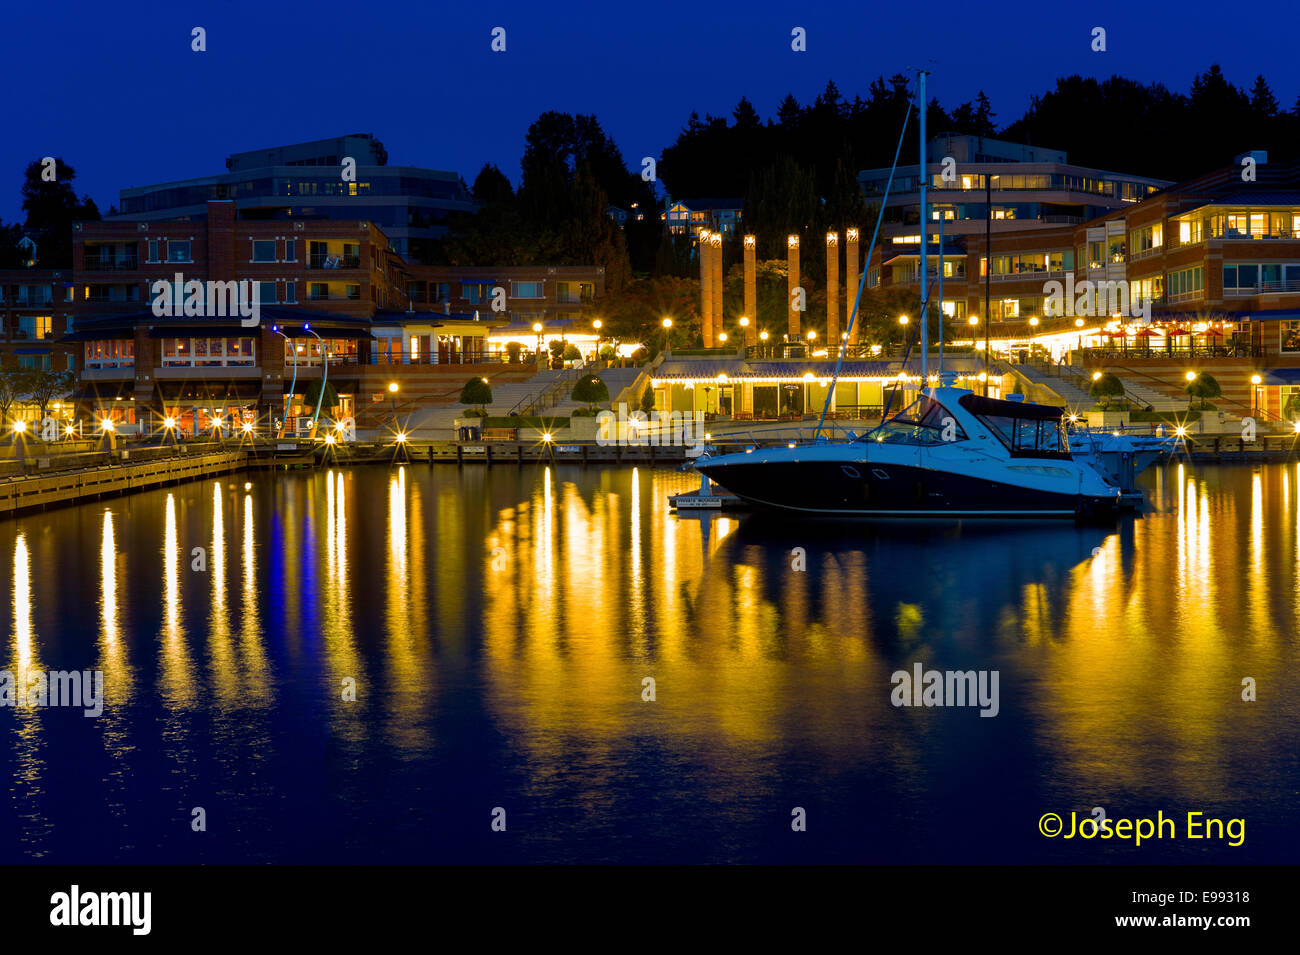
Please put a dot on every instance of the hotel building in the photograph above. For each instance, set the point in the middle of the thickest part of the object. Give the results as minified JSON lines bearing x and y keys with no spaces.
{"x":304,"y":181}
{"x":332,"y":293}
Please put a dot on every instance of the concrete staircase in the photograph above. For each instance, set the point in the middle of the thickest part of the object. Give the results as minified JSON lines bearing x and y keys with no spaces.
{"x":1064,"y":388}
{"x":1147,"y":396}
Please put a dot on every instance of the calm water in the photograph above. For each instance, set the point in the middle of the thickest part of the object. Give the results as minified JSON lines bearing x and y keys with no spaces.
{"x":499,"y":624}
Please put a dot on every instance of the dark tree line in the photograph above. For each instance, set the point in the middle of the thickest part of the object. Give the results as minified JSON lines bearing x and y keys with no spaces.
{"x":50,"y":208}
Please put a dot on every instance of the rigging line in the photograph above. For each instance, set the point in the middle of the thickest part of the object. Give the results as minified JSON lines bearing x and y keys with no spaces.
{"x":880,"y":215}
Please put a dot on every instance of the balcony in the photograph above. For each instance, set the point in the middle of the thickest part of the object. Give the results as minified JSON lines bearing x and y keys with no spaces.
{"x":319,"y":260}
{"x":128,"y":264}
{"x":1187,"y":296}
{"x":1275,"y":287}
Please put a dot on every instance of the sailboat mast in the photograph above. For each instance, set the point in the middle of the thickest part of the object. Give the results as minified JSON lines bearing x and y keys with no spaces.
{"x":925,"y":277}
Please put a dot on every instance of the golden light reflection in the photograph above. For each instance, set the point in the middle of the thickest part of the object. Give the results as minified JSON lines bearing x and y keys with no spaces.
{"x":177,"y":681}
{"x":340,"y":640}
{"x":221,"y":660}
{"x":112,"y":657}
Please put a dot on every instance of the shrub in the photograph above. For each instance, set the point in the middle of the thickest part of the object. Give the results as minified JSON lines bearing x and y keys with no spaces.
{"x":514,"y":350}
{"x":1203,"y":387}
{"x":571,"y":352}
{"x":590,"y":389}
{"x":1106,"y":387}
{"x":607,"y":352}
{"x":476,"y":392}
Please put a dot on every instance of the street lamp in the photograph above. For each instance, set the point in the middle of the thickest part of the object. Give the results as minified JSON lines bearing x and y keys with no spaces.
{"x":668,"y":330}
{"x":1254,"y":394}
{"x":294,"y":383}
{"x":325,"y":377}
{"x":392,"y":391}
{"x":722,"y":337}
{"x":537,"y":328}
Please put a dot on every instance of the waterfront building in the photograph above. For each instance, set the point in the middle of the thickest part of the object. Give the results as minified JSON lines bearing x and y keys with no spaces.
{"x":396,"y":337}
{"x":36,"y":309}
{"x":304,"y":181}
{"x":1202,"y":277}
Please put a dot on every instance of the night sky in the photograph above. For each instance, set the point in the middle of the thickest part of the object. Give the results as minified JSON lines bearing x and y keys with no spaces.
{"x":117,"y":92}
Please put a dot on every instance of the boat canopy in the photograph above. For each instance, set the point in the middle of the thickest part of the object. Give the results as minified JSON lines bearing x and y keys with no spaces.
{"x":976,"y":404}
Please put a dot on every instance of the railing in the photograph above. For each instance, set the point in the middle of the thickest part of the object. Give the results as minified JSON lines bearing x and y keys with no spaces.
{"x":460,"y":358}
{"x":1283,"y":285}
{"x":552,"y":395}
{"x":110,"y":265}
{"x":1187,"y":296}
{"x":1030,"y":274}
{"x":1230,"y":350}
{"x":318,"y":261}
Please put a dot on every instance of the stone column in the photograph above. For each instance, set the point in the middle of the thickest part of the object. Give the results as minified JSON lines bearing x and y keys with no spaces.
{"x":851,"y":279}
{"x":832,"y":294}
{"x":715,"y":285}
{"x":751,"y":290}
{"x":706,"y":293}
{"x":792,"y":283}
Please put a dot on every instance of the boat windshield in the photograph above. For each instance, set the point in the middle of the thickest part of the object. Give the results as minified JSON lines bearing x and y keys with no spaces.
{"x":925,"y":421}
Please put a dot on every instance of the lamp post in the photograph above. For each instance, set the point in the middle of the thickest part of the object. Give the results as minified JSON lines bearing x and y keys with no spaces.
{"x":325,"y":377}
{"x":392,"y":391}
{"x":294,"y":384}
{"x":537,"y":328}
{"x":1254,"y":395}
{"x":596,"y":325}
{"x":668,"y":331}
{"x":1191,"y":377}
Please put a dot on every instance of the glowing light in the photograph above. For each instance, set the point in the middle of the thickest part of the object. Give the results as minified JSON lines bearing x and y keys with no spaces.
{"x":973,"y":320}
{"x":1033,"y":322}
{"x":1078,"y":323}
{"x":20,"y":427}
{"x":248,"y":485}
{"x":329,"y":439}
{"x":744,"y":321}
{"x":169,"y":423}
{"x":812,"y":336}
{"x":1180,"y":431}
{"x":668,"y":323}
{"x":1190,"y":376}
{"x":70,"y":430}
{"x":537,"y":327}
{"x":248,"y":428}
{"x":1096,"y":376}
{"x":722,"y":336}
{"x":106,"y":424}
{"x":546,"y":436}
{"x":1255,"y":379}
{"x":392,"y":387}
{"x":401,"y":437}
{"x":762,"y":336}
{"x":338,"y":426}
{"x":595,"y":325}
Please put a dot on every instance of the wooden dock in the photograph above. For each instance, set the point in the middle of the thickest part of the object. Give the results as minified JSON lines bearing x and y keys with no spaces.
{"x":74,"y":486}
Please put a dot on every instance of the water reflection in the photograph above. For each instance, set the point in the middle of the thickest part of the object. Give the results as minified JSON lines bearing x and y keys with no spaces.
{"x":500,"y":625}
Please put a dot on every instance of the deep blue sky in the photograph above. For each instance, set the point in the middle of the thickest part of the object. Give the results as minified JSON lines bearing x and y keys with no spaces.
{"x":115,"y":90}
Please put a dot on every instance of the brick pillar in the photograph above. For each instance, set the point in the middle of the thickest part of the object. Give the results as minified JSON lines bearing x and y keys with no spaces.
{"x":715,"y":286}
{"x":706,"y":293}
{"x":851,"y":279}
{"x":751,"y":290}
{"x":832,"y":294}
{"x":792,"y":283}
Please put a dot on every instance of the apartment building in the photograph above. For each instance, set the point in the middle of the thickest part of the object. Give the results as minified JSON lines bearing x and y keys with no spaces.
{"x":36,"y":309}
{"x":305,"y":181}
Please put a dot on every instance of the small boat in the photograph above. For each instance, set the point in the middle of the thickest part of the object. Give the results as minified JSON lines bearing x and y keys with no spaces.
{"x":952,"y":453}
